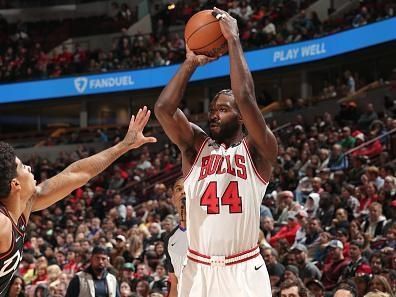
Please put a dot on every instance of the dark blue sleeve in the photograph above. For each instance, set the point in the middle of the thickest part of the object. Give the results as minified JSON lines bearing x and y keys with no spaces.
{"x":74,"y":287}
{"x":118,"y":294}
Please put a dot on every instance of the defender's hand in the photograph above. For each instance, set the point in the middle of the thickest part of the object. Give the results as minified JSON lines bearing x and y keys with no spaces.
{"x":134,"y":137}
{"x":228,"y":24}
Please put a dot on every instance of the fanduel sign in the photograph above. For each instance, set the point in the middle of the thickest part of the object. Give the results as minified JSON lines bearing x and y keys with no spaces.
{"x":85,"y":83}
{"x":263,"y":59}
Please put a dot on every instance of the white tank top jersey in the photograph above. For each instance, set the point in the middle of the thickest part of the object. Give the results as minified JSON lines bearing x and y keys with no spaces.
{"x":223,"y":197}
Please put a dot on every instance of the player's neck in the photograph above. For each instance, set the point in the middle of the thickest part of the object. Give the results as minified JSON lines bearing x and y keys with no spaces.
{"x":14,"y":206}
{"x":237,"y":138}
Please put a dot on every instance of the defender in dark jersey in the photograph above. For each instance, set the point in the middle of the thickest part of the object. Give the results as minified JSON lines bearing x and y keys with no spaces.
{"x":19,"y":194}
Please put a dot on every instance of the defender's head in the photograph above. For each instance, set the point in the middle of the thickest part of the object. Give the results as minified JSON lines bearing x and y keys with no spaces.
{"x":14,"y":175}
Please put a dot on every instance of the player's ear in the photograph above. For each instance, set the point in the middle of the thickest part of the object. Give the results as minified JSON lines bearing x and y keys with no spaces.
{"x":15,"y":185}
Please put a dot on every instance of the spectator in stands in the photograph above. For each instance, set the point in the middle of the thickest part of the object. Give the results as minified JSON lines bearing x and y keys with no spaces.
{"x":302,"y":219}
{"x":125,"y":12}
{"x":380,"y":284}
{"x":114,"y":11}
{"x":348,"y":140}
{"x":291,"y":273}
{"x":285,"y":203}
{"x":358,"y":264}
{"x":267,"y":226}
{"x":117,"y":201}
{"x":337,"y":159}
{"x":275,"y":269}
{"x":350,"y":81}
{"x":333,"y":270}
{"x":326,"y":209}
{"x":142,"y":278}
{"x":293,"y":288}
{"x":367,"y":117}
{"x":95,"y":278}
{"x":370,"y":150}
{"x":312,"y":203}
{"x":125,"y":289}
{"x":345,"y":289}
{"x":17,"y":287}
{"x":312,"y":240}
{"x":373,"y":226}
{"x":287,"y":232}
{"x":307,"y":270}
{"x":316,"y":288}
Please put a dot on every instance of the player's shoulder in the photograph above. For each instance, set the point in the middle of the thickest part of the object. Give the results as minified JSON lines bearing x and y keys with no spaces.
{"x":199,"y":134}
{"x":6,"y":225}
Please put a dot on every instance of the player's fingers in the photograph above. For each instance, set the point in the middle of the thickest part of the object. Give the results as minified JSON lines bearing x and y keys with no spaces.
{"x":218,"y":13}
{"x":142,"y":118}
{"x":222,"y":12}
{"x":138,"y":115}
{"x":132,"y":121}
{"x":146,"y":118}
{"x":150,"y":139}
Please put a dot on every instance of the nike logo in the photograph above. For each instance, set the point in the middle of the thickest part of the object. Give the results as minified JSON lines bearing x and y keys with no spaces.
{"x":172,"y":244}
{"x":16,"y":240}
{"x":257,"y":268}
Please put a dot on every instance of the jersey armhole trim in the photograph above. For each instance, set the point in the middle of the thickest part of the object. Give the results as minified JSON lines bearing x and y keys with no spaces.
{"x":14,"y":226}
{"x":196,"y":158}
{"x":253,"y":165}
{"x":5,"y":254}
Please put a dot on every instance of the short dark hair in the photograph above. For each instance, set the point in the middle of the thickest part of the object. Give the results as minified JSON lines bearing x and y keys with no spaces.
{"x":289,"y":283}
{"x":99,"y":250}
{"x":347,"y":286}
{"x":227,"y":92}
{"x":7,"y":168}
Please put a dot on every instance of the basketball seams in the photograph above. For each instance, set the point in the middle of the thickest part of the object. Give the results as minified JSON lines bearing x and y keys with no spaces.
{"x":199,"y":28}
{"x":196,"y":49}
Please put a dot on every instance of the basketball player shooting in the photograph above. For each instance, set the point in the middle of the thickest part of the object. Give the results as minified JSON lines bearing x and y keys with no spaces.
{"x":20,"y":196}
{"x":226,"y":176}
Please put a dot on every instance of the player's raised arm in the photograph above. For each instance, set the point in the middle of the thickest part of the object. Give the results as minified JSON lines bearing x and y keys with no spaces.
{"x":80,"y":172}
{"x":174,"y":122}
{"x":260,"y":136}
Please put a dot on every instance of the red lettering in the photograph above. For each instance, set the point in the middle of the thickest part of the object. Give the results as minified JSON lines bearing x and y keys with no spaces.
{"x":240,"y":163}
{"x":219,"y":169}
{"x":213,"y":164}
{"x":230,"y":169}
{"x":204,"y":168}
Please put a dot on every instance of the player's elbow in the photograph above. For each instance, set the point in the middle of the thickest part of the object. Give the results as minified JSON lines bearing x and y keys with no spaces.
{"x":159,"y":109}
{"x":163,"y":110}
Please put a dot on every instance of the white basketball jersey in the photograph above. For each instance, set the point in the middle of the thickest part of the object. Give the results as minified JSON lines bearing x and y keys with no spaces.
{"x":223,"y":197}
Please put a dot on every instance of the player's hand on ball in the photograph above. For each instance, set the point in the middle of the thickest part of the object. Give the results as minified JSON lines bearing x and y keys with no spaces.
{"x":134,"y":137}
{"x":228,"y":24}
{"x":198,"y":60}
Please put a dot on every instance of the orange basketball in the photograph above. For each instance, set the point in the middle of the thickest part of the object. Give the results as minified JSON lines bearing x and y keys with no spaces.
{"x":203,"y":35}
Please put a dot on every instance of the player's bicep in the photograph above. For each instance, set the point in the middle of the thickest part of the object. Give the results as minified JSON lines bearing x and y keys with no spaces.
{"x":260,"y":135}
